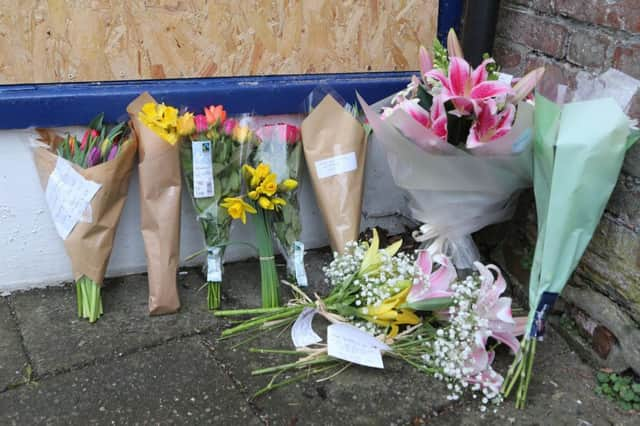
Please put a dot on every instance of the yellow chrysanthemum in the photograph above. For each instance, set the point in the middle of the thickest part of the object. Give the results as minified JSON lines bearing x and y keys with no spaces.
{"x":238,"y":208}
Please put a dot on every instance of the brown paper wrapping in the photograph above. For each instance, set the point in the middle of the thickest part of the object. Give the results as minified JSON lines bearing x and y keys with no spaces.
{"x":89,"y":245}
{"x":160,"y":191}
{"x":329,"y":131}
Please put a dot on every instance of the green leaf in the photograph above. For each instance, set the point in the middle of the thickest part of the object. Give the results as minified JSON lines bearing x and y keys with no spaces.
{"x":602,"y":377}
{"x":636,"y":387}
{"x":628,"y":395}
{"x":435,"y":304}
{"x":425,"y":98}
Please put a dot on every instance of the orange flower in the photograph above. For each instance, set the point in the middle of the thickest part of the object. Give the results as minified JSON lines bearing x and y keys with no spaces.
{"x":215,"y":114}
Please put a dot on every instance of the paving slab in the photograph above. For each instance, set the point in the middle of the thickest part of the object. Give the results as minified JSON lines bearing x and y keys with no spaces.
{"x":12,"y":358}
{"x":177,"y":383}
{"x":56,"y":339}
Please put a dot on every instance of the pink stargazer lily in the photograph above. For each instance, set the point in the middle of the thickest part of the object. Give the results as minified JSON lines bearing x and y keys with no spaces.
{"x":495,"y":311}
{"x":411,"y":107}
{"x":480,"y":370}
{"x":436,"y":284}
{"x":439,"y":118}
{"x":489,"y":124}
{"x":465,"y":86}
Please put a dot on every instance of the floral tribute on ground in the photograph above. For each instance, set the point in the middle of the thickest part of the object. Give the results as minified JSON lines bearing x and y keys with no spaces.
{"x":384,"y":302}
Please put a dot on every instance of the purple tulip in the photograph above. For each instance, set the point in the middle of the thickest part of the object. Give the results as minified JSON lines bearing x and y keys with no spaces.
{"x":94,"y":157}
{"x":113,"y":152}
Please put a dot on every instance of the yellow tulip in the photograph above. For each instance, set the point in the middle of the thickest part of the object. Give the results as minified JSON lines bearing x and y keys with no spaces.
{"x":265,"y":203}
{"x":238,"y":208}
{"x":186,"y":124}
{"x":288,"y":185}
{"x":241,"y":133}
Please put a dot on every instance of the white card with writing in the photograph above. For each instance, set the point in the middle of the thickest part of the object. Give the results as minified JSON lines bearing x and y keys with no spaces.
{"x":351,"y":344}
{"x":68,"y":195}
{"x":336,"y":165}
{"x":202,"y":169}
{"x":505,"y":78}
{"x":214,"y":265}
{"x":302,"y":332}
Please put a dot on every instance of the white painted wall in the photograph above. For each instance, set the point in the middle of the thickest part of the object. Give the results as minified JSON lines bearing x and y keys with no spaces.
{"x":32,"y":253}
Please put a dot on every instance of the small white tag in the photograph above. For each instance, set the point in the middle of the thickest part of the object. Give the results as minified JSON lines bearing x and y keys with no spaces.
{"x":202,"y":169}
{"x":336,"y":165}
{"x":505,"y":78}
{"x":298,"y":264}
{"x":302,"y":332}
{"x":214,"y":265}
{"x":68,"y":195}
{"x":351,"y":344}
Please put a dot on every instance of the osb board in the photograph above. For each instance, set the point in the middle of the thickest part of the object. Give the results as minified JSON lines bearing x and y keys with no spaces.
{"x":88,"y":40}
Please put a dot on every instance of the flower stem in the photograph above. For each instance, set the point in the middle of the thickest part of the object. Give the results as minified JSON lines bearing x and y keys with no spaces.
{"x":269,"y":276}
{"x":213,"y":295}
{"x":89,"y":300}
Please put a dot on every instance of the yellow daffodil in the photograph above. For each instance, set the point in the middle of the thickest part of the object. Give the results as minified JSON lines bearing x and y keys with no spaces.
{"x":388,"y":313}
{"x":372,"y":260}
{"x":278,"y":201}
{"x":241,"y":133}
{"x":186,"y":124}
{"x":269,"y":184}
{"x":257,"y":175}
{"x":288,"y":185}
{"x":266,"y":203}
{"x":161,"y":119}
{"x":254,"y":195}
{"x":238,"y":208}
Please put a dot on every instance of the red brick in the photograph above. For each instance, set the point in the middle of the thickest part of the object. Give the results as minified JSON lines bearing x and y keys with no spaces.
{"x":618,"y":14}
{"x":626,"y":58}
{"x":545,"y":6}
{"x":555,"y":71}
{"x":510,"y":56}
{"x":538,"y":32}
{"x":589,"y":48}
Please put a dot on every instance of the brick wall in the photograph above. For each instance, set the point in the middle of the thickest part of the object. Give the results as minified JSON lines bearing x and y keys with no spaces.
{"x":568,"y":36}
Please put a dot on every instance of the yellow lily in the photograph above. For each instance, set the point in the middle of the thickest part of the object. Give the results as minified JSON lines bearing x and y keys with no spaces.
{"x":388,"y":313}
{"x":238,"y":208}
{"x":372,"y":260}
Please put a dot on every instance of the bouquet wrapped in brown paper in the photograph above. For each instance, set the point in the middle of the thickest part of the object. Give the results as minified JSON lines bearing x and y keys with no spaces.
{"x":335,"y":148}
{"x":86,"y":183}
{"x":160,"y":190}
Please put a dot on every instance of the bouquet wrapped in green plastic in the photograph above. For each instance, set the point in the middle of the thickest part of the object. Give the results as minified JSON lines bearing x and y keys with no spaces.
{"x":579,"y":148}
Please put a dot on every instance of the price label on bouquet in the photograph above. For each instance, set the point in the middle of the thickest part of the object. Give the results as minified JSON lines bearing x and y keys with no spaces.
{"x":202,"y":169}
{"x":302,"y":332}
{"x":298,"y":264}
{"x":336,"y":165}
{"x":351,"y":344}
{"x":68,"y":196}
{"x":214,"y":265}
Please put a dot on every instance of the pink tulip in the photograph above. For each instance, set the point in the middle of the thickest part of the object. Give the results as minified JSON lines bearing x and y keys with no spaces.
{"x":201,"y":123}
{"x":113,"y":152}
{"x":465,"y":87}
{"x":229,"y":125}
{"x":489,"y":124}
{"x":436,"y":284}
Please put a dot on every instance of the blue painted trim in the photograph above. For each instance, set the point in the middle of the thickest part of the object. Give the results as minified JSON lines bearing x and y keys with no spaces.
{"x":48,"y":105}
{"x":449,"y":16}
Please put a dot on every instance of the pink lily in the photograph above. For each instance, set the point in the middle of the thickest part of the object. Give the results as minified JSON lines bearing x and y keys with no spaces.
{"x":453,"y":45}
{"x":426,"y":64}
{"x":495,"y":311}
{"x":439,"y":118}
{"x":411,"y":107}
{"x":436,"y":284}
{"x":481,"y":372}
{"x":465,"y":86}
{"x":525,"y":85}
{"x":489,"y":124}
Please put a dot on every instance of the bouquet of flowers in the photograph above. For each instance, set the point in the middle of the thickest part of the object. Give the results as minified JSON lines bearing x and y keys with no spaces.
{"x":399,"y":305}
{"x":264,"y":199}
{"x":86,"y":183}
{"x":579,"y":150}
{"x":280,"y":147}
{"x":335,"y":148}
{"x":212,"y":157}
{"x":158,"y":128}
{"x":457,"y":139}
